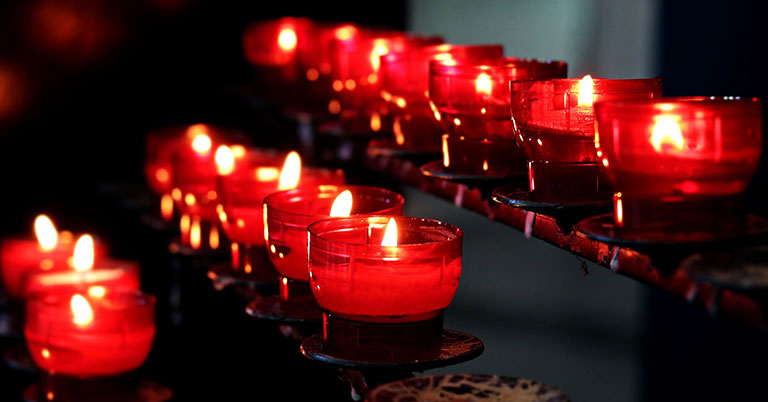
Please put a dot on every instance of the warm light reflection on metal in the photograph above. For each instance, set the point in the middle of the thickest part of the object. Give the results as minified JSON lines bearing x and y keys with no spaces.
{"x":45,"y":232}
{"x":84,"y":255}
{"x":264,"y":217}
{"x":342,"y":205}
{"x":195,"y":235}
{"x":618,"y":209}
{"x":446,"y":156}
{"x":213,"y":237}
{"x":398,"y":130}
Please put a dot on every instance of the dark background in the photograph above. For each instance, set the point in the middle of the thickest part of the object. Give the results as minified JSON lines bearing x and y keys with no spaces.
{"x":82,"y":81}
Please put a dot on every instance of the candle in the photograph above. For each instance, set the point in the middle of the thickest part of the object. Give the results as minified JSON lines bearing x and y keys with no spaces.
{"x":554,"y":124}
{"x":288,"y":213}
{"x":356,"y":63}
{"x":384,"y":269}
{"x":52,"y":251}
{"x":108,"y":275}
{"x":245,"y":182}
{"x":404,"y":78}
{"x":87,"y":335}
{"x":471,"y":102}
{"x":195,"y":183}
{"x":679,"y":164}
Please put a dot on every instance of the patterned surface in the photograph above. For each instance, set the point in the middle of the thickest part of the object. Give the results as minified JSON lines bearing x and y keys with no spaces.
{"x":466,"y":388}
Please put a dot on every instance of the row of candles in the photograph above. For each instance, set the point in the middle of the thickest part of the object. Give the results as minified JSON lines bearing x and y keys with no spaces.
{"x":348,"y":246}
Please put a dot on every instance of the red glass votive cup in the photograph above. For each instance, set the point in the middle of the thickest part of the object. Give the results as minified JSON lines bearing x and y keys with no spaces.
{"x":356,"y":64}
{"x":404,"y":80}
{"x":378,"y":297}
{"x":679,"y":164}
{"x":107,"y":275}
{"x":243,"y":190}
{"x":471,"y":102}
{"x":289,"y":213}
{"x":86,"y":336}
{"x":23,"y":258}
{"x":555,"y":127}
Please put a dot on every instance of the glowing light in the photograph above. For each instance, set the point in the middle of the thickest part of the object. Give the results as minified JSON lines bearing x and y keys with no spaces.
{"x":373,"y":78}
{"x":375,"y":122}
{"x":485,"y":165}
{"x":184,"y":224}
{"x":248,"y":268}
{"x":162,"y":175}
{"x":483,"y":111}
{"x":83,"y":256}
{"x":211,"y":195}
{"x":82,"y":313}
{"x":267,"y":173}
{"x":483,"y":84}
{"x":586,"y":97}
{"x":287,"y":39}
{"x":350,"y":84}
{"x":313,"y":74}
{"x":386,"y":95}
{"x":399,"y":137}
{"x":446,"y":156}
{"x":266,"y":229}
{"x":202,"y":143}
{"x":46,"y":233}
{"x":195,"y":234}
{"x":225,"y":160}
{"x":213,"y":238}
{"x":345,"y":32}
{"x":189,"y":199}
{"x":618,"y":208}
{"x":334,"y":107}
{"x":46,"y":353}
{"x":97,"y":291}
{"x":176,"y":194}
{"x":342,"y":205}
{"x":49,"y":395}
{"x":238,"y":150}
{"x":291,"y":172}
{"x":235,"y":254}
{"x":390,"y":234}
{"x":380,"y":48}
{"x":338,"y":86}
{"x":401,"y":103}
{"x":667,"y":131}
{"x":456,"y":121}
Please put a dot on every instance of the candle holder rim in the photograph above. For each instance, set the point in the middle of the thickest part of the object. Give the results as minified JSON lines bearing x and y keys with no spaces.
{"x":639,"y":84}
{"x":470,"y":68}
{"x":271,"y":200}
{"x":408,"y":55}
{"x":315,"y":230}
{"x":47,"y":298}
{"x":704,"y":101}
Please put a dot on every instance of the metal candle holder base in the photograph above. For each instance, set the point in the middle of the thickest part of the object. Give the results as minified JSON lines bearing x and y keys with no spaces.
{"x":387,"y":147}
{"x":122,"y":388}
{"x":250,"y":267}
{"x":437,"y":170}
{"x":294,"y":305}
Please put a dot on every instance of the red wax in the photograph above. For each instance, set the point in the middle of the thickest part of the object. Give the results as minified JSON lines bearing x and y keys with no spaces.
{"x":404,"y":78}
{"x":288,"y":213}
{"x":550,"y":124}
{"x":684,"y":162}
{"x":471,"y":102}
{"x":117,"y":338}
{"x":352,"y":276}
{"x":20,"y":259}
{"x":110,"y":274}
{"x":356,"y":63}
{"x":253,"y":178}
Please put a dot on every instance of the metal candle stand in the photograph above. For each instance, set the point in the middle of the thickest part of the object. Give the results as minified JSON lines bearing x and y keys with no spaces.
{"x":369,"y":354}
{"x":122,"y":388}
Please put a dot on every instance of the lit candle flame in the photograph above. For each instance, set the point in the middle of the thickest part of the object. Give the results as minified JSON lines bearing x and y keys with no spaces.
{"x":225,"y":160}
{"x":202,"y":143}
{"x":83,"y":257}
{"x":46,"y":233}
{"x":586,"y":91}
{"x":390,"y":234}
{"x":380,"y":48}
{"x":81,"y":310}
{"x":483,"y":84}
{"x":667,"y":131}
{"x":291,"y":173}
{"x":287,"y":39}
{"x":342,"y":205}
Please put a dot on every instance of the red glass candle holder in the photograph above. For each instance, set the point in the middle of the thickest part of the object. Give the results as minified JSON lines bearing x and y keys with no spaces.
{"x":242,"y":192}
{"x":378,"y":296}
{"x":23,"y":258}
{"x":471,"y":103}
{"x":289,"y":213}
{"x":554,"y":124}
{"x":679,"y":165}
{"x":85,"y":336}
{"x":404,"y":78}
{"x":106,"y":275}
{"x":356,"y":63}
